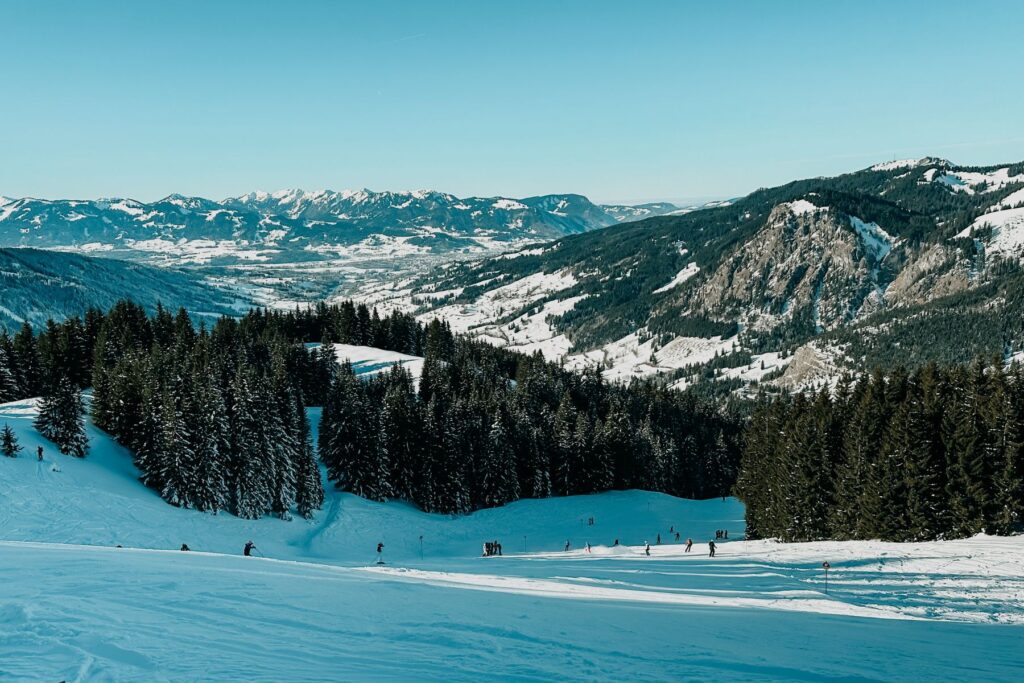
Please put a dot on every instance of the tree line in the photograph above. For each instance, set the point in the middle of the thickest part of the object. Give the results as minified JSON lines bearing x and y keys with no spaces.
{"x":216,"y":419}
{"x":903,"y":456}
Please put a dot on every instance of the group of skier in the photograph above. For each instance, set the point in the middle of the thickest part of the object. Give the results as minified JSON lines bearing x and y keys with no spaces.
{"x":492,"y":548}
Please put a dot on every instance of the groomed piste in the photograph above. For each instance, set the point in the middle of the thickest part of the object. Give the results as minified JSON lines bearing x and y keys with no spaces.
{"x":315,"y":606}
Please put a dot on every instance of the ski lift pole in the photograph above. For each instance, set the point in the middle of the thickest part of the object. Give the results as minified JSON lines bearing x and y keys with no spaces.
{"x":826,"y":566}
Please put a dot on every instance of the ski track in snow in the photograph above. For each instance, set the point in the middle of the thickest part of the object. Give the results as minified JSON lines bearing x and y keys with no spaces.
{"x":74,"y":607}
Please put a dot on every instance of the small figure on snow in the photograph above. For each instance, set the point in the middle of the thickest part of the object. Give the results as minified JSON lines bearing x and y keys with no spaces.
{"x":249,"y":547}
{"x":725,"y":534}
{"x":711,"y":548}
{"x":39,"y":453}
{"x":647,"y":548}
{"x":184,"y":547}
{"x":616,"y":542}
{"x":497,"y":547}
{"x":588,"y":547}
{"x":658,"y":540}
{"x":380,"y":553}
{"x":689,"y":544}
{"x":567,"y":546}
{"x":677,"y":537}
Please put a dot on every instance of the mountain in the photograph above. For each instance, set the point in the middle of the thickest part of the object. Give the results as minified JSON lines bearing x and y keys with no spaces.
{"x":37,"y":284}
{"x":295,"y":225}
{"x":898,"y":263}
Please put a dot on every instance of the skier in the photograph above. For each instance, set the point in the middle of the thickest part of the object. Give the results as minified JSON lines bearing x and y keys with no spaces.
{"x":588,"y":547}
{"x":39,"y":453}
{"x":567,"y":546}
{"x":249,"y":547}
{"x":677,"y":537}
{"x":487,"y":549}
{"x":659,"y":539}
{"x":672,"y":529}
{"x":725,"y":534}
{"x":689,"y":544}
{"x":380,"y":553}
{"x":498,"y":546}
{"x":184,"y":547}
{"x":616,"y":542}
{"x":647,"y":549}
{"x":711,"y":548}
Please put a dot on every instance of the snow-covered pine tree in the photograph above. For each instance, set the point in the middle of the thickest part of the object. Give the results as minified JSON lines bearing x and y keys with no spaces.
{"x":8,"y":384}
{"x":309,"y":490}
{"x":208,"y":434}
{"x":498,"y":479}
{"x":250,"y":453}
{"x":61,"y":420}
{"x":176,"y":458}
{"x":9,"y":442}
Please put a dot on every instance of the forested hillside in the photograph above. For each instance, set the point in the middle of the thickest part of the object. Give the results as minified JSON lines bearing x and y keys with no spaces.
{"x":215,"y":417}
{"x":37,"y":284}
{"x":903,"y":456}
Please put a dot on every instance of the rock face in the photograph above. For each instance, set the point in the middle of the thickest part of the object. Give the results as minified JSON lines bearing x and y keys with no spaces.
{"x":807,"y":261}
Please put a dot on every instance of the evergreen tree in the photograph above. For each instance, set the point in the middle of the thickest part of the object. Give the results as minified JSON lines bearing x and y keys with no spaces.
{"x":9,"y":442}
{"x":61,"y":419}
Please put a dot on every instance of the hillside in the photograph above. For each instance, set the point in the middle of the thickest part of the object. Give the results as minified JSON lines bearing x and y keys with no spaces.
{"x":97,"y":611}
{"x":789,"y":284}
{"x":38,"y":284}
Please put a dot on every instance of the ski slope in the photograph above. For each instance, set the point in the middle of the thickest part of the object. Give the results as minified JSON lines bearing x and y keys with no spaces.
{"x":315,"y":607}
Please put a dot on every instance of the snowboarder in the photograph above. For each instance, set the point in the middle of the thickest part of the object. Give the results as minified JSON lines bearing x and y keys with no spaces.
{"x":647,"y":549}
{"x":380,"y":553}
{"x":184,"y":547}
{"x":39,"y":453}
{"x":711,"y":548}
{"x":567,"y":546}
{"x":249,"y":547}
{"x":689,"y":544}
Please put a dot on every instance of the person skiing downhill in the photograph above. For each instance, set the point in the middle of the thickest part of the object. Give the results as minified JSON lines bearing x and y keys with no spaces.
{"x":711,"y":548}
{"x":647,"y":549}
{"x":689,"y":544}
{"x":249,"y":547}
{"x":567,"y":546}
{"x":39,"y":453}
{"x":380,"y":553}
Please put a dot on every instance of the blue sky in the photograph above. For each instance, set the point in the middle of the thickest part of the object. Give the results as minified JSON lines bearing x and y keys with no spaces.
{"x":615,"y":100}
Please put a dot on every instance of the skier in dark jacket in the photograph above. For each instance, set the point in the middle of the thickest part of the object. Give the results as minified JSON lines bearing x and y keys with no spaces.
{"x":711,"y":548}
{"x":647,"y":549}
{"x":39,"y":452}
{"x":184,"y":547}
{"x":689,"y":544}
{"x":249,"y":547}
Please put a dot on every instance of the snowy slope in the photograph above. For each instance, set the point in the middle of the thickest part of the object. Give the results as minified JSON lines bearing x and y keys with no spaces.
{"x":74,"y":607}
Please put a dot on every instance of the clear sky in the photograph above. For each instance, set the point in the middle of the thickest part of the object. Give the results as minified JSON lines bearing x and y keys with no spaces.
{"x":616,"y":100}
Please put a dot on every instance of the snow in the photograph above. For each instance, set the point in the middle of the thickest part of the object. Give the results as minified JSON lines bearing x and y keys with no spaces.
{"x":902,"y":163}
{"x":368,"y":361}
{"x":877,"y":241}
{"x":75,"y":607}
{"x":629,"y":358}
{"x":682,"y":276}
{"x":802,"y":207}
{"x":1007,"y":231}
{"x":1013,"y":200}
{"x":508,"y":204}
{"x":969,"y":182}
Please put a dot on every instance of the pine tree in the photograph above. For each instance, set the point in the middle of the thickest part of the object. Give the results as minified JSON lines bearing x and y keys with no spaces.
{"x":309,"y":490}
{"x":61,"y":419}
{"x":498,"y":480}
{"x":9,"y":442}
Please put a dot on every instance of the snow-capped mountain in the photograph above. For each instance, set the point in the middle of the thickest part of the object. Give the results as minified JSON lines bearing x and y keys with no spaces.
{"x":296,"y":225}
{"x":903,"y":262}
